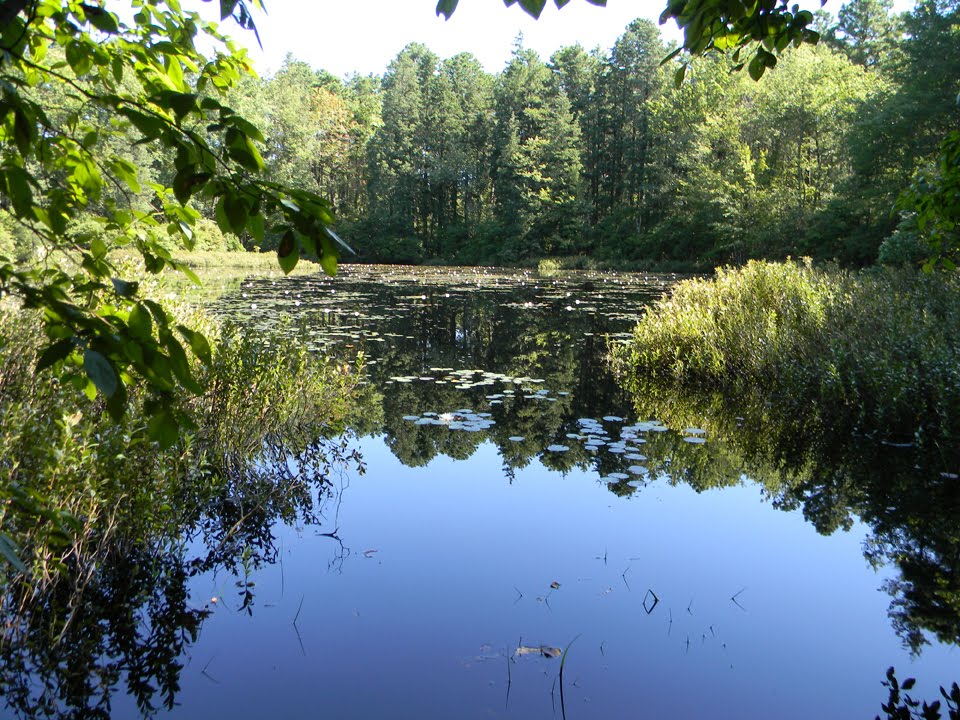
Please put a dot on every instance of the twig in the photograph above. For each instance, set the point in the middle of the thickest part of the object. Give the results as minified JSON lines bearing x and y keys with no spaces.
{"x":295,"y":617}
{"x":735,"y":596}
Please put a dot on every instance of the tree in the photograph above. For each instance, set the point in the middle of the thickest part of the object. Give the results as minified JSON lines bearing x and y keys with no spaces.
{"x":867,"y":31}
{"x":143,"y":81}
{"x":536,"y":160}
{"x":628,"y":84}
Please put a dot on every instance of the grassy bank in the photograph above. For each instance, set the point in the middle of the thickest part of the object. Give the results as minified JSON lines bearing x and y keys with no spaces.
{"x":72,"y":480}
{"x":876,"y":351}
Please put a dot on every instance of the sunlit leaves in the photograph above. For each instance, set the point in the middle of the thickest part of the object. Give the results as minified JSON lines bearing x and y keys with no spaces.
{"x":153,"y":86}
{"x":934,"y":201}
{"x":742,"y":27}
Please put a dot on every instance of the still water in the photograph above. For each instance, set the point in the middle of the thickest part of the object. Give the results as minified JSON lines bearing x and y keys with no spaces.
{"x":517,"y":512}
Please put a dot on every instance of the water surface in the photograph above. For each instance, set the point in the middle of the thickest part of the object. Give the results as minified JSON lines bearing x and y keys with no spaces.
{"x":517,"y":503}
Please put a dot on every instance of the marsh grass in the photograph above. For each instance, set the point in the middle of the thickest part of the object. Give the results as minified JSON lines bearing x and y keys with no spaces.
{"x":70,"y":477}
{"x":878,"y":352}
{"x":240,"y":260}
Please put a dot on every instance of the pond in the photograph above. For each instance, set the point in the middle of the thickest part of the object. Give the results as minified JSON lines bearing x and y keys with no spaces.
{"x":523,"y":539}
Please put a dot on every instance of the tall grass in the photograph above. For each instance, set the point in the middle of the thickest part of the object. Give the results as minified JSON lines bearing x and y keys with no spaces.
{"x":71,"y":478}
{"x":878,"y":351}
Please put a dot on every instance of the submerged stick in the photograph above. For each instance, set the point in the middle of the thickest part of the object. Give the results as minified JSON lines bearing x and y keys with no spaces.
{"x":299,"y":608}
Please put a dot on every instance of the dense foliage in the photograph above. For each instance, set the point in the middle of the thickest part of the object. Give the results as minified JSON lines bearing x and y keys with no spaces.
{"x":72,"y":476}
{"x":114,"y":131}
{"x":877,"y":348}
{"x":599,"y":156}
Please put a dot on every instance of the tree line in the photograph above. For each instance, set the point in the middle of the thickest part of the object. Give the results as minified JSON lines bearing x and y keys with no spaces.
{"x":601,"y":157}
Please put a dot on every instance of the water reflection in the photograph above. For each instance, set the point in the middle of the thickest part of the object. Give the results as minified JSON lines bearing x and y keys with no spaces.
{"x":460,"y":358}
{"x":120,"y":620}
{"x":908,"y":496}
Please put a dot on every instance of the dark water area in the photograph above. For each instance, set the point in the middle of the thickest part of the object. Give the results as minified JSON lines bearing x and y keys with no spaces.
{"x":518,"y":512}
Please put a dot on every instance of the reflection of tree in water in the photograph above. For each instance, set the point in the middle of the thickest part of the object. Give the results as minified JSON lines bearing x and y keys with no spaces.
{"x":908,"y":496}
{"x":535,"y":339}
{"x":550,"y":329}
{"x":121,"y":616}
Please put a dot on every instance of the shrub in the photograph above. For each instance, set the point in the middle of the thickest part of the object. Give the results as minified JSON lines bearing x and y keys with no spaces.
{"x":878,"y":350}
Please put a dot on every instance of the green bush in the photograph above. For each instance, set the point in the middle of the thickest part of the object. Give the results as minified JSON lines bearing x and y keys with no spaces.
{"x":904,"y":246}
{"x":879,"y":351}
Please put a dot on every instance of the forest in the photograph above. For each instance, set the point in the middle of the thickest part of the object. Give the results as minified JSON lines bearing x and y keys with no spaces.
{"x":599,"y":158}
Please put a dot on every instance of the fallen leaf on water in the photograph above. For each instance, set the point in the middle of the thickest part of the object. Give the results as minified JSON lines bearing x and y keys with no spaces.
{"x":544,"y":650}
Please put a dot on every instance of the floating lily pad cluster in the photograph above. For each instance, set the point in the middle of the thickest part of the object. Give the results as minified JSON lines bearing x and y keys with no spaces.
{"x":594,"y":436}
{"x":463,"y":419}
{"x":513,"y":387}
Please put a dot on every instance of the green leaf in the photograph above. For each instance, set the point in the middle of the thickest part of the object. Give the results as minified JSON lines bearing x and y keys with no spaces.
{"x":198,"y":343}
{"x":24,"y":131}
{"x":328,"y":261}
{"x":54,"y":354}
{"x":9,"y":550}
{"x":237,"y":210}
{"x":163,"y":429}
{"x":18,"y":187}
{"x":124,"y":288}
{"x":117,"y":403}
{"x":101,"y":372}
{"x":182,"y":103}
{"x":101,"y":19}
{"x":150,"y":126}
{"x":98,"y":248}
{"x":287,"y":252}
{"x":226,"y":8}
{"x":531,"y":7}
{"x":240,"y":148}
{"x":140,"y":323}
{"x":79,"y":57}
{"x":671,"y":56}
{"x":446,"y":8}
{"x":180,"y":365}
